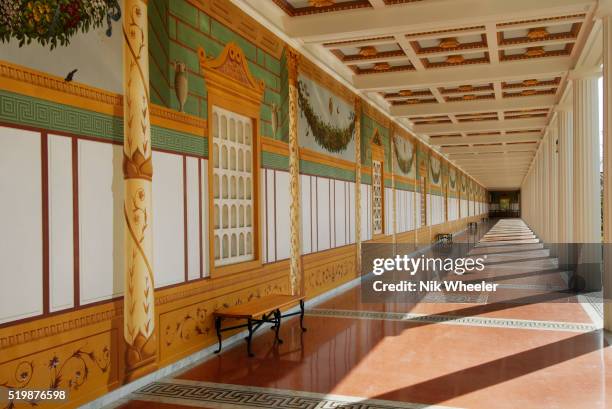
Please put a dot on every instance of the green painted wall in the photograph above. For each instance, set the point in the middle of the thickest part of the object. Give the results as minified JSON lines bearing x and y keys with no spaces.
{"x":186,"y":30}
{"x":24,"y":110}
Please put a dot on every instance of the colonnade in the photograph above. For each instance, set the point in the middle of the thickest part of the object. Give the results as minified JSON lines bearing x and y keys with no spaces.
{"x":561,"y":193}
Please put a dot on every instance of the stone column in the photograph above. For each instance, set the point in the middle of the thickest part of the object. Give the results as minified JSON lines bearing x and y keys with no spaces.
{"x":607,"y":164}
{"x":394,"y":204}
{"x":358,"y":182}
{"x":554,"y":184}
{"x":566,"y":216}
{"x":587,"y":204}
{"x":139,"y":299}
{"x":545,"y":184}
{"x":295,"y":256}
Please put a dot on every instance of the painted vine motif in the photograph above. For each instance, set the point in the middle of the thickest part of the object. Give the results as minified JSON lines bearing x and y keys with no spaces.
{"x":404,"y":155}
{"x":68,"y":374}
{"x":329,"y":136}
{"x":54,"y":22}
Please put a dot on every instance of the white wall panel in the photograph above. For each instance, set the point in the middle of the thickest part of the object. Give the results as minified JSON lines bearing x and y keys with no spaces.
{"x":340,"y":212}
{"x":101,"y":220}
{"x":366,"y":212}
{"x":352,"y":207}
{"x":323,"y":214}
{"x":193,"y":218}
{"x":418,"y":209}
{"x":168,"y":219}
{"x":61,"y":235}
{"x":305,"y":205}
{"x":263,"y":215}
{"x":205,"y":247}
{"x":270,"y":216}
{"x":283,"y":221}
{"x":388,"y":210}
{"x":21,"y":221}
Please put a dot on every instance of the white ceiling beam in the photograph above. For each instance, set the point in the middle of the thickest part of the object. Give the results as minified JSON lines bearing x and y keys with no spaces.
{"x":377,"y":4}
{"x":468,"y":140}
{"x":409,"y":51}
{"x":493,"y":169}
{"x":423,"y":16}
{"x":469,"y":107}
{"x":487,"y":155}
{"x":492,"y":42}
{"x":494,"y":148}
{"x":500,"y":158}
{"x":466,"y":74}
{"x":482,"y":126}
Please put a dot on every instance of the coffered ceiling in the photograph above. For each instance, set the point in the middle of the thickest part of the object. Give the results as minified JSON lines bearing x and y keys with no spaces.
{"x":477,"y":79}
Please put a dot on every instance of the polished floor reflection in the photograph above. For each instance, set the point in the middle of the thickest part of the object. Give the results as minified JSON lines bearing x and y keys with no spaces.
{"x":531,"y":345}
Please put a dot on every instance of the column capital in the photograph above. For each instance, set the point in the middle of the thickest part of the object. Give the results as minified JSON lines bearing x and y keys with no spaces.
{"x":604,"y":9}
{"x":585,"y":73}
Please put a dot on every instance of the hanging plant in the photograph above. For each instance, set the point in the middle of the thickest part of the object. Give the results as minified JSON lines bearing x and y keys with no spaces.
{"x":332,"y":138}
{"x":53,"y":22}
{"x":404,"y":163}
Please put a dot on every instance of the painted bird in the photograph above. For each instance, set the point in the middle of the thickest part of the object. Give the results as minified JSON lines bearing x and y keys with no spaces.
{"x":70,"y":75}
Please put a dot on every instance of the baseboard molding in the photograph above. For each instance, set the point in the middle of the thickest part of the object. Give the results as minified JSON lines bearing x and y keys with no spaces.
{"x":119,"y":395}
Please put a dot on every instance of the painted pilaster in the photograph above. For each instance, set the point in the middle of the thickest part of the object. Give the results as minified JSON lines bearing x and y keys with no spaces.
{"x":139,"y":299}
{"x":358,"y":182}
{"x":587,"y":205}
{"x":295,"y":259}
{"x":607,"y":166}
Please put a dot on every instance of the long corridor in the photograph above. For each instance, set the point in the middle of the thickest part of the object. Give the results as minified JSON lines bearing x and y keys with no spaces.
{"x":530,"y":344}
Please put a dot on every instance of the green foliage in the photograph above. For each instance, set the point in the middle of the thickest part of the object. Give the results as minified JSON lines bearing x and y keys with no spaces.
{"x":331,"y":137}
{"x":53,"y":22}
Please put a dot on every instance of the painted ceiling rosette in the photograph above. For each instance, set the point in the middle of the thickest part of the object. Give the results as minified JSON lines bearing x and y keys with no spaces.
{"x":404,"y":154}
{"x":323,"y":118}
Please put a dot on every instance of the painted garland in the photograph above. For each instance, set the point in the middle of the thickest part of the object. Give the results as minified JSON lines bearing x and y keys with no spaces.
{"x":435,"y":170}
{"x":405,"y":164}
{"x":452,"y":176}
{"x":53,"y":22}
{"x":331,"y":137}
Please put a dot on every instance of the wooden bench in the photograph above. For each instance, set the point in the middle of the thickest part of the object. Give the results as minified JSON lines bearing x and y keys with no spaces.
{"x":256,"y":313}
{"x":444,"y":238}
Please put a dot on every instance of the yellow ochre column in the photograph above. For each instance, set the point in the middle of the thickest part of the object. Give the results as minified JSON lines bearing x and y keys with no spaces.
{"x":295,"y":263}
{"x":139,"y":300}
{"x":358,"y":182}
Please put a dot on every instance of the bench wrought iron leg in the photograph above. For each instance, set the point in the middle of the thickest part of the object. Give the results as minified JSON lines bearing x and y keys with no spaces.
{"x":302,"y":316}
{"x":249,"y":337}
{"x":277,"y":319}
{"x":218,"y":329}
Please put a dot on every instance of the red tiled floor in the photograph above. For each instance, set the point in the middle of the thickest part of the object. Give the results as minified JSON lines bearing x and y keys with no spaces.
{"x":467,"y":366}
